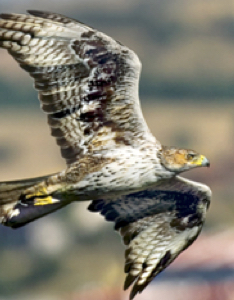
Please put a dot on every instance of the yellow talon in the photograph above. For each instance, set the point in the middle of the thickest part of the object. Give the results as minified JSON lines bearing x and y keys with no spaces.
{"x":38,"y":192}
{"x":43,"y":201}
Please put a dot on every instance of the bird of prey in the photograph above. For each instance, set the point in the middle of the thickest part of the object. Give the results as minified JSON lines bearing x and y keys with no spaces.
{"x":88,"y":86}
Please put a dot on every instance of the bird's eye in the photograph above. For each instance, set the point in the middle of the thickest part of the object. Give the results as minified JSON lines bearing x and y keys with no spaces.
{"x":190,"y":156}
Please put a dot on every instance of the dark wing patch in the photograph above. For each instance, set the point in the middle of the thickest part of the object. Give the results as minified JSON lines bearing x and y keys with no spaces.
{"x":87,"y":82}
{"x":130,"y":208}
{"x":156,"y":225}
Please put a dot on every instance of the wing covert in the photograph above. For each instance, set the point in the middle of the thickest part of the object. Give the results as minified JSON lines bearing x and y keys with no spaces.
{"x":156,"y":225}
{"x":87,"y":82}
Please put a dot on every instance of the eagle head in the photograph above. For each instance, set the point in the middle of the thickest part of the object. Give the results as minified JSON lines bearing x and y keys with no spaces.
{"x":180,"y":160}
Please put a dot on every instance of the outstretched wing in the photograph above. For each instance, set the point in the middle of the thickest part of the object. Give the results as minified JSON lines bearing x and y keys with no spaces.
{"x":156,"y":225}
{"x":87,"y":82}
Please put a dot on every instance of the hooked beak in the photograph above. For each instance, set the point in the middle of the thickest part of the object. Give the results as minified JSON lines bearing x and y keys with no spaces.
{"x":204,"y":161}
{"x":201,"y":161}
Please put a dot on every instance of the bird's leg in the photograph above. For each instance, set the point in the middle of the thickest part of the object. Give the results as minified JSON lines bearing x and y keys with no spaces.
{"x":42,"y":193}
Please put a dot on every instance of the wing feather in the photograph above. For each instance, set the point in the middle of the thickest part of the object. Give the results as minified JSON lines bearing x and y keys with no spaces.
{"x":156,"y":225}
{"x":87,"y":82}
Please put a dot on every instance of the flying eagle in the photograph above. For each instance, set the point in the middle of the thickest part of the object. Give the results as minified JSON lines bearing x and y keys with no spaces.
{"x":88,"y":87}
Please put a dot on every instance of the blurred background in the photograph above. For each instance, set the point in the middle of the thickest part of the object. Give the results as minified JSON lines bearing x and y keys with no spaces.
{"x":187,"y":93}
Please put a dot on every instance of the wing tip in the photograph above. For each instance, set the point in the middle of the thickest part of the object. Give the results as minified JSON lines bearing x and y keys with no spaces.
{"x":7,"y":16}
{"x":137,"y":289}
{"x":4,"y":15}
{"x":129,"y":281}
{"x":39,"y":13}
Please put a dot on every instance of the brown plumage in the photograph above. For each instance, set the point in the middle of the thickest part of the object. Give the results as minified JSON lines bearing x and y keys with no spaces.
{"x":88,"y":87}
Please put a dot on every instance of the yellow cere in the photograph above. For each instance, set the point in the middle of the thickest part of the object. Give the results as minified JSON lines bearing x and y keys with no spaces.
{"x":199,"y":160}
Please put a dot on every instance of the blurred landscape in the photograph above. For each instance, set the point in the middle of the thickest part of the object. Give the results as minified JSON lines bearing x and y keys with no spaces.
{"x":187,"y":96}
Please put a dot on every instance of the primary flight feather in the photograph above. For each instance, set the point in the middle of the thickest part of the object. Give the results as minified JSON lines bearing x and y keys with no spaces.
{"x":88,"y":86}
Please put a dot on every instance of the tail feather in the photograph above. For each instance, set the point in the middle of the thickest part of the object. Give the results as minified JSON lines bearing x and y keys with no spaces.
{"x":17,"y":208}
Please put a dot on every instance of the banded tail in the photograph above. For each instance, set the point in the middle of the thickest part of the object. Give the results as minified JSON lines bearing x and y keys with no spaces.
{"x":26,"y":200}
